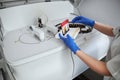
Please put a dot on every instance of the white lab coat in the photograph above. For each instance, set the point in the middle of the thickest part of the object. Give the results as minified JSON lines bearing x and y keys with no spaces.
{"x":113,"y":56}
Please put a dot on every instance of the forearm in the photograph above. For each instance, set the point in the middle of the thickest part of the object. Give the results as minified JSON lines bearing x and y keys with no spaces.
{"x":106,"y":29}
{"x":94,"y":64}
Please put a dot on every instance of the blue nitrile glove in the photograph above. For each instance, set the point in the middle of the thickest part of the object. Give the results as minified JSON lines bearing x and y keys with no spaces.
{"x":69,"y":43}
{"x":83,"y":20}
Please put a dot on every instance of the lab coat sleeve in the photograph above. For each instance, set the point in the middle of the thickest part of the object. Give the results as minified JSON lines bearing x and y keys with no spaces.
{"x":116,"y":30}
{"x":113,"y":66}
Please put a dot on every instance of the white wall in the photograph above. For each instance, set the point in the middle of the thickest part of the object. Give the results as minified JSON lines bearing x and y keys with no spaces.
{"x":105,"y":11}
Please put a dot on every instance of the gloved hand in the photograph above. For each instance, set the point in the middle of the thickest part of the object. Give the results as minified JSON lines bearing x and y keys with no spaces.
{"x":83,"y":20}
{"x":70,"y":43}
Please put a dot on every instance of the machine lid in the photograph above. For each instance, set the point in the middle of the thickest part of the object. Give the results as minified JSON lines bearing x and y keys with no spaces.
{"x":21,"y":47}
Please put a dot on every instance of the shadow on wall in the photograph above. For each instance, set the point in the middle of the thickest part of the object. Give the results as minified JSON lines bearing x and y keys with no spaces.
{"x":105,"y":11}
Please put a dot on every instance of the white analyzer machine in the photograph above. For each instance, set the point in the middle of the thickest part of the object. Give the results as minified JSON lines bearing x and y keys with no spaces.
{"x":29,"y":57}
